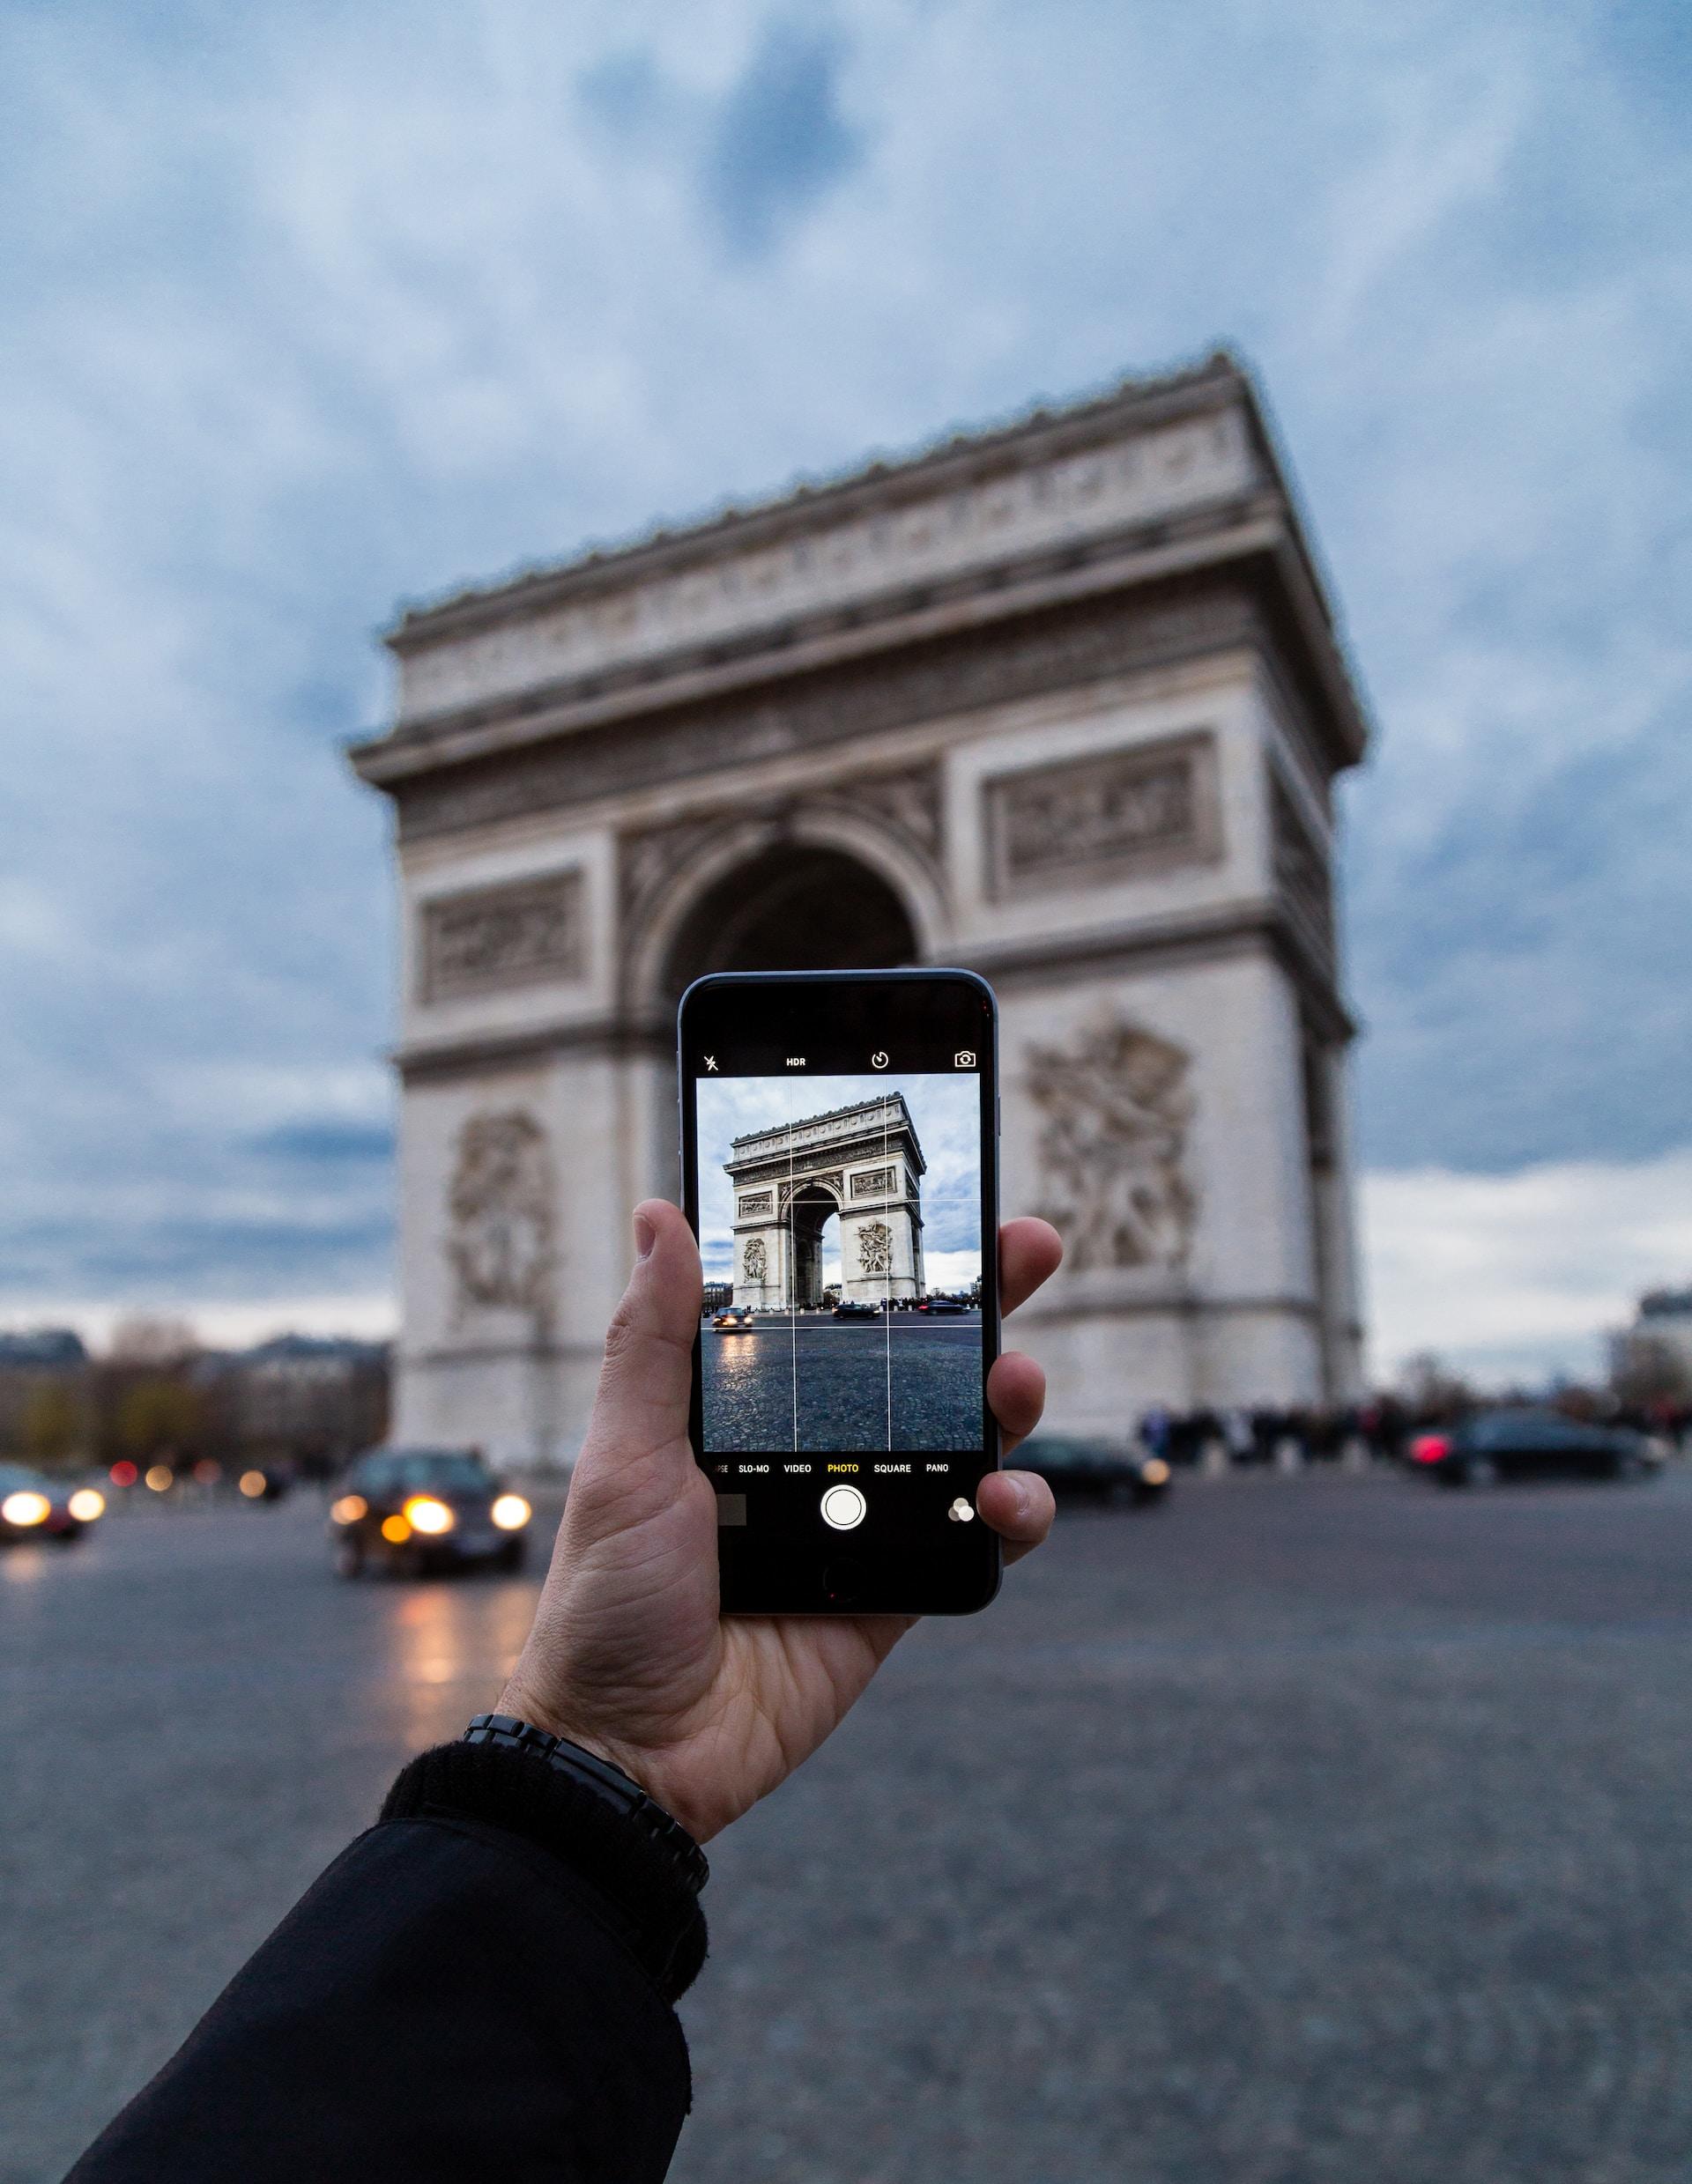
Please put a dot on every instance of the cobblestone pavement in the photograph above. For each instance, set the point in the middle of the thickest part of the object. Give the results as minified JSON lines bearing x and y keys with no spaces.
{"x":894,"y":1382}
{"x":1320,"y":1829}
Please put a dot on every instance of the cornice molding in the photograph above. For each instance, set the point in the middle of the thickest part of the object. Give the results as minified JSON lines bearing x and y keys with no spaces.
{"x":1217,"y":534}
{"x":1133,"y":406}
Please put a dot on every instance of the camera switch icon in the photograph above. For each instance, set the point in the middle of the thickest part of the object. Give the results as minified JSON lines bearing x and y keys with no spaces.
{"x":964,"y":1058}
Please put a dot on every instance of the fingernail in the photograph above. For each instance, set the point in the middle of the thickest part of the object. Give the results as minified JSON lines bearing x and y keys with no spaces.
{"x":645,"y":1235}
{"x":1022,"y":1494}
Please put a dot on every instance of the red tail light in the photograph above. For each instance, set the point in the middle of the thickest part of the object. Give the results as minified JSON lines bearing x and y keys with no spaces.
{"x":1430,"y":1448}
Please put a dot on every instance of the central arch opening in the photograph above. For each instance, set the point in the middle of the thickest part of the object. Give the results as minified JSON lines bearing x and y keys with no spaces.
{"x":811,"y":1210}
{"x":794,"y":908}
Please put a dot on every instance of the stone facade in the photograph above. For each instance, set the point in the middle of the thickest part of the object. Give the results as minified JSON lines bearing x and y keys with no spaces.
{"x":1063,"y":702}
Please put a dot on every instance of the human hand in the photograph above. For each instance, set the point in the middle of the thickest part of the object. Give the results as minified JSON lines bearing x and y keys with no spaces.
{"x":629,"y":1655}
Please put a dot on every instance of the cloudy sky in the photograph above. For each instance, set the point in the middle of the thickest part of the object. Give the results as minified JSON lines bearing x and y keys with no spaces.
{"x":311,"y":309}
{"x":944,"y":1113}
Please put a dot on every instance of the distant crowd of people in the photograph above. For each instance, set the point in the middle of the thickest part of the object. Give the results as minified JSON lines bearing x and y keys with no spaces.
{"x":1379,"y":1429}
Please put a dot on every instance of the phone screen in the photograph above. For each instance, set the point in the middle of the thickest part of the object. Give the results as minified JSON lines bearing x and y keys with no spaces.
{"x":840,"y":1159}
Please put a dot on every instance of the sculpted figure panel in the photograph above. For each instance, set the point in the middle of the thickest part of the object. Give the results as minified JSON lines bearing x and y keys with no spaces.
{"x":518,"y":933}
{"x":1117,"y":1105}
{"x":754,"y":1261}
{"x":1103,"y":817}
{"x":500,"y":1243}
{"x":874,"y":1248}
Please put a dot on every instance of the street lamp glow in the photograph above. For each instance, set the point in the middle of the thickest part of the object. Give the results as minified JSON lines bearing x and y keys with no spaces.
{"x":252,"y":1484}
{"x":160,"y":1478}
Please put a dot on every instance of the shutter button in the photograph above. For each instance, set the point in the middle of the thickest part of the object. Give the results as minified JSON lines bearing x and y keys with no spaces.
{"x":842,"y":1508}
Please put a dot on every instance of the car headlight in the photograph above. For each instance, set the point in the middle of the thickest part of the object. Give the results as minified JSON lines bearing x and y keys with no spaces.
{"x":395,"y":1530}
{"x":1154,"y":1471}
{"x":25,"y":1508}
{"x":349,"y":1508}
{"x":86,"y":1503}
{"x":252,"y":1484}
{"x":424,"y":1514}
{"x":511,"y":1513}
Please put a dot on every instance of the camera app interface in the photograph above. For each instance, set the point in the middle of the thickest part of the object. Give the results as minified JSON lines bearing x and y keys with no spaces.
{"x":841,"y":1231}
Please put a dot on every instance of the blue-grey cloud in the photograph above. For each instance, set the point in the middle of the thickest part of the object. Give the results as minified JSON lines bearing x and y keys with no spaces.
{"x":781,"y":139}
{"x":327,"y":1142}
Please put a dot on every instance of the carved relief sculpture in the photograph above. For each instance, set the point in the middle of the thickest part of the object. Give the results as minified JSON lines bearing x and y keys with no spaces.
{"x":874,"y":1248}
{"x":501,"y":1241}
{"x":873,"y":1183}
{"x":755,"y":1262}
{"x":519,"y":934}
{"x":1101,"y":818}
{"x":756,"y":1201}
{"x":1118,"y":1106}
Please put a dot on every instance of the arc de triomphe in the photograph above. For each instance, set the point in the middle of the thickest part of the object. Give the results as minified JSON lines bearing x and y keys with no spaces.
{"x":1062,"y":701}
{"x":863,"y":1163}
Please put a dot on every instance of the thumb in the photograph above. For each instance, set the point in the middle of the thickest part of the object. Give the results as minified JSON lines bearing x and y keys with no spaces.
{"x":647,"y":1376}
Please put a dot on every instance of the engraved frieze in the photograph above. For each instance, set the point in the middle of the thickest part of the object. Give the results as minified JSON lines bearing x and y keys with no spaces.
{"x":1107,"y":816}
{"x":951,"y":674}
{"x":500,"y":1238}
{"x":520,"y":933}
{"x":755,"y":1202}
{"x":1117,"y":1105}
{"x":873,"y":1183}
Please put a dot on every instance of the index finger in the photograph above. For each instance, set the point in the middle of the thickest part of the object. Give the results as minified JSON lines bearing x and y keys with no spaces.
{"x":1029,"y":1252}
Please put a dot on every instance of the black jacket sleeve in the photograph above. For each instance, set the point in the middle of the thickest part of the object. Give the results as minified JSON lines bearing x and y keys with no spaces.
{"x":454,"y":2001}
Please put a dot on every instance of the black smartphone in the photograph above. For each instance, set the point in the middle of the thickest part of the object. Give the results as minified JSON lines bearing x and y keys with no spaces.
{"x":839,"y":1166}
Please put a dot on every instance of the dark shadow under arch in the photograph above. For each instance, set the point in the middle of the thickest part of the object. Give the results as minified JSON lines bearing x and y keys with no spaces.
{"x":793,"y":908}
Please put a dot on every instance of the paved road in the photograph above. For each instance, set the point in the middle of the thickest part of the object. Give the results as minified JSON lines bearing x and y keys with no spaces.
{"x":899,"y":1381}
{"x":1327,"y":1829}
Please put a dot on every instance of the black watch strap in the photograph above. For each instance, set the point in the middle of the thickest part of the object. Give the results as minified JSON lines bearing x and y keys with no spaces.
{"x":617,"y":1789}
{"x":644,"y":1870}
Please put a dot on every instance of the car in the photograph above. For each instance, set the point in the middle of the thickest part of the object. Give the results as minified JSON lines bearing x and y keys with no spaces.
{"x":942,"y":1305}
{"x":34,"y":1506}
{"x":1095,"y":1471}
{"x":1493,"y":1445}
{"x":854,"y":1308}
{"x":732,"y":1318}
{"x":411,"y":1511}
